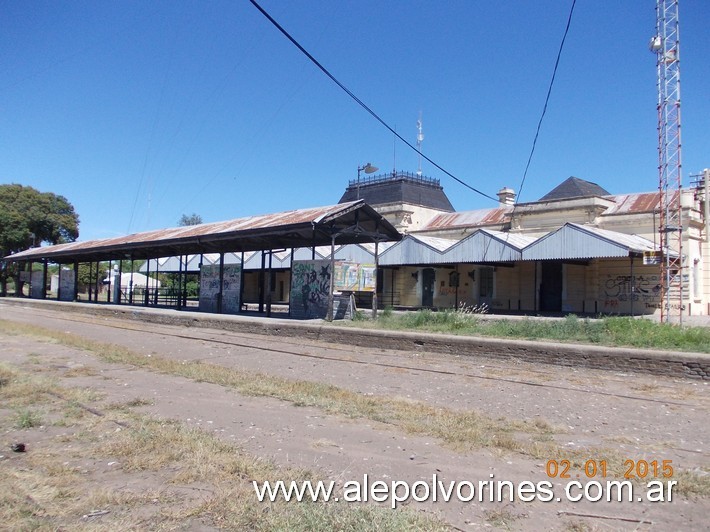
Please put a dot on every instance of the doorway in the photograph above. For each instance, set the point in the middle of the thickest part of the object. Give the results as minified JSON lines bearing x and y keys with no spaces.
{"x":428,"y":280}
{"x":551,"y":286}
{"x":485,"y":286}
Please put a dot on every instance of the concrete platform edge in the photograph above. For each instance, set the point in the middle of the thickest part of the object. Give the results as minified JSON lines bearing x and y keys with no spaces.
{"x":617,"y":359}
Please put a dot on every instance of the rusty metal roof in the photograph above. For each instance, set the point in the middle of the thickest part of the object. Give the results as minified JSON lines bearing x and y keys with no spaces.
{"x":477,"y":218}
{"x":352,"y":223}
{"x":633,"y":203}
{"x":624,"y":204}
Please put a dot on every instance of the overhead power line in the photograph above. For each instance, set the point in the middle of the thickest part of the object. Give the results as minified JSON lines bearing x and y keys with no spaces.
{"x":542,"y":116}
{"x":547,"y":99}
{"x":360,"y":102}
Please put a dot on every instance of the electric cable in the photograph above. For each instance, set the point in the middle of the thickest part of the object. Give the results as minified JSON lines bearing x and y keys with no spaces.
{"x":547,"y":99}
{"x":360,"y":102}
{"x":542,"y":116}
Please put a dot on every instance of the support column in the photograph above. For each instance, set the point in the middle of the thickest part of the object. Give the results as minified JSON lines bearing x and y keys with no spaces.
{"x":146,"y":293}
{"x":130,"y":284}
{"x":313,"y":246}
{"x":179,"y":283}
{"x":377,"y":275}
{"x":261,"y":282}
{"x":290,"y":281}
{"x":89,"y":288}
{"x":241,"y":284}
{"x":184,"y":283}
{"x":110,"y":281}
{"x":98,"y":280}
{"x":268,"y":285}
{"x":536,"y":290}
{"x":117,"y":287}
{"x":44,"y":279}
{"x":29,"y":292}
{"x":75,"y":295}
{"x":221,"y":283}
{"x":329,"y":314}
{"x":632,"y":287}
{"x":458,"y":281}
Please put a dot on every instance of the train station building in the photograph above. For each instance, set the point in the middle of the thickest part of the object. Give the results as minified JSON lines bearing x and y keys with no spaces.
{"x":395,"y":240}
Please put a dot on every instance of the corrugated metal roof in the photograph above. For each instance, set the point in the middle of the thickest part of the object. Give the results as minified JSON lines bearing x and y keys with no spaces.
{"x":575,"y":241}
{"x":415,"y":250}
{"x":633,"y":203}
{"x":370,"y":247}
{"x":624,"y":204}
{"x":480,"y":217}
{"x":516,"y":240}
{"x":353,"y":222}
{"x":485,"y":245}
{"x":439,"y":244}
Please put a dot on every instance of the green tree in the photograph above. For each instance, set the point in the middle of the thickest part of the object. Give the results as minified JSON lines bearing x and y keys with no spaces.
{"x":29,"y":218}
{"x":192,"y":219}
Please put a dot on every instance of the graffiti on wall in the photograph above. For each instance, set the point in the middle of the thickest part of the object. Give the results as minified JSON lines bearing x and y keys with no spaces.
{"x":309,"y":288}
{"x":230,"y":290}
{"x":620,"y":289}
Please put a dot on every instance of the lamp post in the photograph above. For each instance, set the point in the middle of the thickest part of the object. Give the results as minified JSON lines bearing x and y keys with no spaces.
{"x":369,"y":169}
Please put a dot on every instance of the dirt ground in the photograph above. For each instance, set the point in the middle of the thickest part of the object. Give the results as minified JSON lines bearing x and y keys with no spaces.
{"x":637,"y":417}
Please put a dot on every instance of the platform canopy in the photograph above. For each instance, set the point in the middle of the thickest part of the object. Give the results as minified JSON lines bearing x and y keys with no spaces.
{"x":351,"y":223}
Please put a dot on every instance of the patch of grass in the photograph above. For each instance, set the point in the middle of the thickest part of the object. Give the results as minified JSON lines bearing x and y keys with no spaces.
{"x":21,"y":392}
{"x":26,"y":419}
{"x":500,"y":518}
{"x":196,"y":457}
{"x":651,"y":388}
{"x":197,"y":480}
{"x":6,"y":375}
{"x":360,"y":316}
{"x":311,"y":517}
{"x":80,"y":371}
{"x":73,"y":410}
{"x":609,"y":331}
{"x":693,"y":483}
{"x":323,"y":442}
{"x":138,"y":401}
{"x":462,"y":430}
{"x":576,"y":526}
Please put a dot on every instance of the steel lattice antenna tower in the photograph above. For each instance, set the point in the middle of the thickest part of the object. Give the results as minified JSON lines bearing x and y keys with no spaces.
{"x":666,"y":45}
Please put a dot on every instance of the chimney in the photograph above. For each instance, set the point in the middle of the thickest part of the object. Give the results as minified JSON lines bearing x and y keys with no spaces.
{"x":506,"y":196}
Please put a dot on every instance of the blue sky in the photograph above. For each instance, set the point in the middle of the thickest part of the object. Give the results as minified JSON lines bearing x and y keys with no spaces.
{"x":139,"y":112}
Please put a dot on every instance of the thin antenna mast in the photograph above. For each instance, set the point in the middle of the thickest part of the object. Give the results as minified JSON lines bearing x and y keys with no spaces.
{"x":420,"y":138}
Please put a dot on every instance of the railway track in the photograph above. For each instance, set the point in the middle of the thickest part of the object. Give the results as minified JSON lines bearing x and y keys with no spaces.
{"x":392,"y":359}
